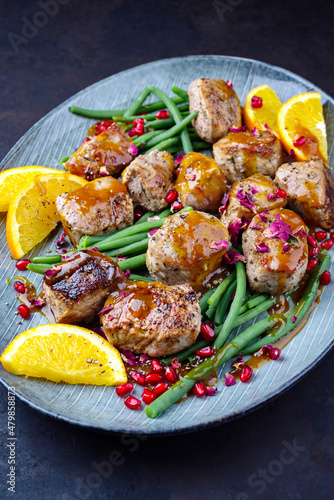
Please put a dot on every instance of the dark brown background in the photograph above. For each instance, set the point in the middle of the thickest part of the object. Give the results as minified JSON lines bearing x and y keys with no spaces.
{"x":82,"y":43}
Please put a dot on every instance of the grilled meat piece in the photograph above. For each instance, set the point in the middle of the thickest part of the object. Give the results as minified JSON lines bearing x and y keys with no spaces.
{"x":188,"y":248}
{"x":275,"y":247}
{"x":218,"y":108}
{"x":101,"y":206}
{"x":310,"y":190}
{"x":250,"y":197}
{"x":152,"y":318}
{"x":77,"y":288}
{"x":148,"y":179}
{"x":240,"y":154}
{"x":106,"y":154}
{"x":200,"y":183}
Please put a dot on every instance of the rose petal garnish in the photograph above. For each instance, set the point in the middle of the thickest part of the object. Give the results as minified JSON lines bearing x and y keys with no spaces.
{"x":262,"y":216}
{"x":224,"y":203}
{"x":232,"y":256}
{"x":300,"y":232}
{"x":143,"y":358}
{"x":175,"y":363}
{"x":255,"y":189}
{"x":218,"y":245}
{"x":229,"y":84}
{"x":294,"y":319}
{"x":133,"y":150}
{"x":210,"y":391}
{"x":267,"y":127}
{"x":254,"y":226}
{"x":292,"y":153}
{"x":95,"y":249}
{"x":179,"y":158}
{"x":285,"y":248}
{"x":127,"y":273}
{"x":99,"y":330}
{"x":129,"y":357}
{"x":235,"y":227}
{"x":246,"y":200}
{"x":118,"y":257}
{"x":255,"y":132}
{"x":191,"y":177}
{"x":106,"y":309}
{"x":156,"y":217}
{"x":62,"y":252}
{"x":264,"y":349}
{"x":278,"y":229}
{"x":262,"y":247}
{"x":61,"y":239}
{"x":37,"y":303}
{"x":49,"y":273}
{"x":153,"y":231}
{"x":272,"y":196}
{"x":123,"y":295}
{"x":229,"y":379}
{"x":240,"y":359}
{"x":243,"y":128}
{"x":103,"y":171}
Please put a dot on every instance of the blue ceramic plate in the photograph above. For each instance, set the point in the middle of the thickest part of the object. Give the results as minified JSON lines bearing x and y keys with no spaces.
{"x":58,"y":134}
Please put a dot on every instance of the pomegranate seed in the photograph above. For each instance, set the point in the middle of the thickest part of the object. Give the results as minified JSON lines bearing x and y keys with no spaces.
{"x":176,"y":206}
{"x":138,"y":121}
{"x":148,"y":396}
{"x":121,"y":390}
{"x":160,"y":388}
{"x":327,"y":245}
{"x":138,"y":212}
{"x":331,"y":235}
{"x":162,"y":115}
{"x":300,"y":141}
{"x":313,"y":251}
{"x":256,"y":102}
{"x":205,"y":351}
{"x":207,"y":331}
{"x":24,"y":311}
{"x":156,"y":365}
{"x":246,"y":373}
{"x":153,"y":378}
{"x":86,"y":139}
{"x":19,"y":287}
{"x":280,"y":192}
{"x":171,"y":196}
{"x":139,"y":126}
{"x":312,"y":263}
{"x":274,"y":353}
{"x":311,"y":241}
{"x":170,"y":374}
{"x":325,"y":278}
{"x":21,"y":265}
{"x":132,"y":402}
{"x":132,"y":132}
{"x":137,"y":377}
{"x":199,"y":389}
{"x":320,"y":235}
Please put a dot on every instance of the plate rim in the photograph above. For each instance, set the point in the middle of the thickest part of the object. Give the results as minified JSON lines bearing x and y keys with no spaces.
{"x":212,"y":423}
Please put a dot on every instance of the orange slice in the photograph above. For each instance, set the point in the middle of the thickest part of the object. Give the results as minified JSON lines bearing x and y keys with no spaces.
{"x":267,"y":113}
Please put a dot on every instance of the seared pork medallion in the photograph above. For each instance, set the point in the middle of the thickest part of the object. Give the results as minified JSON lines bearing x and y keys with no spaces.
{"x":106,"y":154}
{"x":148,"y":179}
{"x":77,"y":288}
{"x":188,"y":248}
{"x":249,"y":197}
{"x":218,"y":108}
{"x":152,"y":318}
{"x":101,"y":206}
{"x":275,"y":247}
{"x":241,"y":154}
{"x":200,"y":183}
{"x":310,"y":190}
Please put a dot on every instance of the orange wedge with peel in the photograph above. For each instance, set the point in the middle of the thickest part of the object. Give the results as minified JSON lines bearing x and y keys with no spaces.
{"x":266,"y":115}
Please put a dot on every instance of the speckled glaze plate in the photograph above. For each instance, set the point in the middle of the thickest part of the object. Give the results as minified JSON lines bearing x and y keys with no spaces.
{"x":58,"y":134}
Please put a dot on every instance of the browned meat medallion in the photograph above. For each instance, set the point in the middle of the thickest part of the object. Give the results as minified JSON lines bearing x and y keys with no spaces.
{"x":101,"y":206}
{"x":148,"y":179}
{"x":275,"y":247}
{"x":152,"y":318}
{"x":241,"y":154}
{"x":106,"y":154}
{"x":310,"y":189}
{"x":200,"y":183}
{"x":77,"y":288}
{"x":218,"y":108}
{"x":188,"y":248}
{"x":249,"y":197}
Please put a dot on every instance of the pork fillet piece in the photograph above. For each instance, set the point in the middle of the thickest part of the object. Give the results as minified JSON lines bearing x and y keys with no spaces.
{"x":310,"y":190}
{"x":275,"y":247}
{"x":152,"y":318}
{"x":240,"y":154}
{"x":218,"y":108}
{"x":77,"y":288}
{"x":148,"y":179}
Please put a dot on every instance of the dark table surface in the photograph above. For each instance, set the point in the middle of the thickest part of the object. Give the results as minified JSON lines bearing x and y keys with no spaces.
{"x":282,"y":451}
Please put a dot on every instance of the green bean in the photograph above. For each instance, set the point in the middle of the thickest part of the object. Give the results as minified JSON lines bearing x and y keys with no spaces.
{"x":224,"y":303}
{"x":220,"y":290}
{"x":203,"y":301}
{"x":186,"y":142}
{"x":180,"y":92}
{"x":139,"y":246}
{"x":142,"y":139}
{"x":64,"y":159}
{"x":252,"y":302}
{"x":38,"y":268}
{"x":116,"y":242}
{"x":173,"y":130}
{"x":227,"y":327}
{"x":133,"y":262}
{"x":132,"y":110}
{"x":253,"y":313}
{"x":298,"y":312}
{"x":186,"y":353}
{"x":144,"y":217}
{"x":163,"y":145}
{"x":164,"y":124}
{"x":165,"y":213}
{"x":184,"y":108}
{"x":155,"y":106}
{"x":96,"y":113}
{"x":137,"y":277}
{"x":46,"y":259}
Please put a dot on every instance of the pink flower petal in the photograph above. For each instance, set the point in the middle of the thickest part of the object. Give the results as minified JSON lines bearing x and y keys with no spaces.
{"x":133,"y":150}
{"x":224,"y":203}
{"x":210,"y":391}
{"x":294,"y":319}
{"x":99,"y":330}
{"x":272,"y":196}
{"x":156,"y":217}
{"x":118,"y":257}
{"x":267,"y":127}
{"x":229,"y":379}
{"x":239,"y":129}
{"x":232,"y":256}
{"x":95,"y":249}
{"x":229,"y":84}
{"x":262,"y":216}
{"x":106,"y":309}
{"x":262,"y":247}
{"x":264,"y":349}
{"x":37,"y":303}
{"x":129,"y":357}
{"x":103,"y":171}
{"x":234,"y":229}
{"x":246,"y":200}
{"x":285,"y":248}
{"x":175,"y":363}
{"x":50,"y":273}
{"x":219,"y":245}
{"x":153,"y":231}
{"x":143,"y":358}
{"x":127,"y":273}
{"x":179,"y":158}
{"x":255,"y":132}
{"x":278,"y":229}
{"x":61,"y":239}
{"x":123,"y":295}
